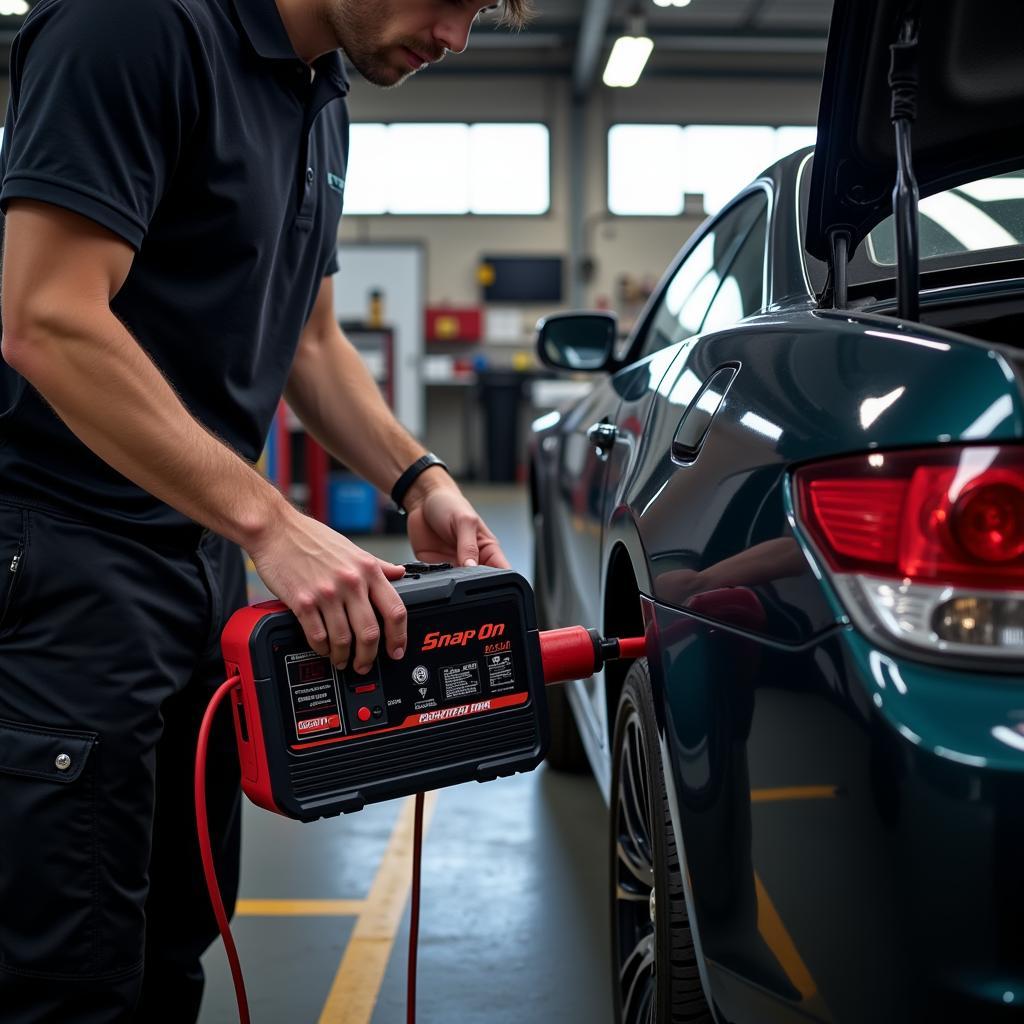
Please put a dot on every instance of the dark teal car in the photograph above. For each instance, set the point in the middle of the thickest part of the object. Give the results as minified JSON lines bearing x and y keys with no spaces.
{"x":802,"y":475}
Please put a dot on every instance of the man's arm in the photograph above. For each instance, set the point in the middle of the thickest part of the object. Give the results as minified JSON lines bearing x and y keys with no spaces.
{"x":339,"y":403}
{"x":60,"y":273}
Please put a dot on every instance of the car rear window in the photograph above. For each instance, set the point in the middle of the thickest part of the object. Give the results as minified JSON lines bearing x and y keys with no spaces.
{"x":981,"y":215}
{"x":973,"y":226}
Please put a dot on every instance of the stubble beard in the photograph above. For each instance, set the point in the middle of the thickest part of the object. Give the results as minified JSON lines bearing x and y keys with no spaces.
{"x":360,"y":28}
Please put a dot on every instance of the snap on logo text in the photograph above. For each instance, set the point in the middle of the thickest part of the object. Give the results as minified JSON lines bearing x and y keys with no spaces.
{"x":487,"y":631}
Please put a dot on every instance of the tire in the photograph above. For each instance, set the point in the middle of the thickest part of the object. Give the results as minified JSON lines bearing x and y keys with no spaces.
{"x":655,"y":976}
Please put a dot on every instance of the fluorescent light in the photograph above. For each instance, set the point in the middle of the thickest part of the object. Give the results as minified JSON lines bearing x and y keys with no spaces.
{"x":1011,"y":739}
{"x":939,"y":346}
{"x":872,"y":408}
{"x":13,"y":7}
{"x":548,"y":420}
{"x":982,"y":427}
{"x":761,"y":426}
{"x":671,"y":3}
{"x":627,"y":60}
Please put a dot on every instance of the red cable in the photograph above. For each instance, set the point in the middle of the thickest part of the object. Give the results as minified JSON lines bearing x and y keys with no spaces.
{"x":414,"y":911}
{"x":572,"y":647}
{"x":206,"y":849}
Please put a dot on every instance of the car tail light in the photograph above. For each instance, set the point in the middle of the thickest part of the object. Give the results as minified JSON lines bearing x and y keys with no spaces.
{"x":926,"y":545}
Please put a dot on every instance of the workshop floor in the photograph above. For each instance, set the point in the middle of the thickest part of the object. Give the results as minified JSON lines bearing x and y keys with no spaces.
{"x":513,"y":925}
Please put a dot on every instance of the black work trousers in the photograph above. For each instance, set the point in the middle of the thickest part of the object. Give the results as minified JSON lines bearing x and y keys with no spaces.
{"x":108,"y":656}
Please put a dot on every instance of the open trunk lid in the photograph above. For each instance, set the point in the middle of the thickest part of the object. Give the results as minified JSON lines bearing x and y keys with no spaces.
{"x":970,"y":107}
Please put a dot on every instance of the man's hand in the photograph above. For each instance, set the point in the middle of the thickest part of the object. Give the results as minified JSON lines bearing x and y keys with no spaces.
{"x":444,"y":526}
{"x":333,"y":587}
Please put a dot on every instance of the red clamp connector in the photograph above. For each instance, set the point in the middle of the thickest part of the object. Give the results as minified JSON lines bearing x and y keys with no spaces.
{"x":576,"y":653}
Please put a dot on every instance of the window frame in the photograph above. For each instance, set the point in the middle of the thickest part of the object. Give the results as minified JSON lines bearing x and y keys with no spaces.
{"x":630,"y":352}
{"x":765,"y":250}
{"x":546,"y":124}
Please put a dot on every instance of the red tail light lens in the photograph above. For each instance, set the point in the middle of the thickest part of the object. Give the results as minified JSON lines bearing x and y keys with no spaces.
{"x":952,"y":515}
{"x":988,"y":520}
{"x":858,"y":519}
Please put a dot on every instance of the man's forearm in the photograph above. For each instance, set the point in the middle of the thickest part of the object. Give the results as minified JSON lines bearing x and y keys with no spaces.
{"x":109,"y":393}
{"x":332,"y":392}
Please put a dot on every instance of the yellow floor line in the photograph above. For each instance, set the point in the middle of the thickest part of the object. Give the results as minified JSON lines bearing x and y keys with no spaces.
{"x":759,"y":796}
{"x":356,"y":986}
{"x":779,"y":941}
{"x":300,"y":908}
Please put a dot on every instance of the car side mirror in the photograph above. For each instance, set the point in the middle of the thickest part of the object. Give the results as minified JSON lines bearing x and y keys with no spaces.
{"x":577,"y":341}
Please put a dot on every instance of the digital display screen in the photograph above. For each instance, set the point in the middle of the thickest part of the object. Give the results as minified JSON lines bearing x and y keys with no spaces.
{"x":314,"y":669}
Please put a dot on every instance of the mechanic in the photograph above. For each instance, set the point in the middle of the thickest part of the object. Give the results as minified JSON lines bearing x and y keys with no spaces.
{"x":173,"y":176}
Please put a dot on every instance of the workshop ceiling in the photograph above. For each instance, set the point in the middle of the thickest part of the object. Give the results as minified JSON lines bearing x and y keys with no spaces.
{"x":783,"y":38}
{"x":712,"y":37}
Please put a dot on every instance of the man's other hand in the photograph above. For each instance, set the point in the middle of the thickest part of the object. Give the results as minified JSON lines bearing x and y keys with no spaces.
{"x":336,"y":590}
{"x":444,"y":526}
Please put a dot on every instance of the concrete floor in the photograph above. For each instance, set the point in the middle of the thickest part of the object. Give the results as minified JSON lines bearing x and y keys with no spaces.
{"x":514,"y":923}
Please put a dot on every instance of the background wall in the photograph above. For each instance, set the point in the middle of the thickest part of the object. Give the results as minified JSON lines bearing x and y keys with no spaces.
{"x":638,"y":246}
{"x":641,"y":246}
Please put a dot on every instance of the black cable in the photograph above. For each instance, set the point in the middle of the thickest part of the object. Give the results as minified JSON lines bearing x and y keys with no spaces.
{"x":905,"y":199}
{"x":903,"y":82}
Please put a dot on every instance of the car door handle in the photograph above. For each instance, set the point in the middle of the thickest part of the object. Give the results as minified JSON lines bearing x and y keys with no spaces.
{"x":602,"y":436}
{"x":696,"y":421}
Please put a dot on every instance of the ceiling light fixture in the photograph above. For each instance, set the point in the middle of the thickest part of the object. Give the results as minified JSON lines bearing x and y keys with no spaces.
{"x":13,"y":7}
{"x":672,"y":3}
{"x":629,"y":55}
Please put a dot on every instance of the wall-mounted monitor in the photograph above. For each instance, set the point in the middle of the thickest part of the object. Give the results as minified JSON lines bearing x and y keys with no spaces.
{"x":522,"y":278}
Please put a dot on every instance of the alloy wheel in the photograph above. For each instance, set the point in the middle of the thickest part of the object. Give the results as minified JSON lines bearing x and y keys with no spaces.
{"x":634,"y":880}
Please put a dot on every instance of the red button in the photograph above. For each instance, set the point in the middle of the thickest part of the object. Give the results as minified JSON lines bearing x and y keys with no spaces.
{"x":363,"y":714}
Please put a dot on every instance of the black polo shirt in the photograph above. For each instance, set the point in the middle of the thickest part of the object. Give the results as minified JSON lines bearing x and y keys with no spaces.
{"x":192,"y":130}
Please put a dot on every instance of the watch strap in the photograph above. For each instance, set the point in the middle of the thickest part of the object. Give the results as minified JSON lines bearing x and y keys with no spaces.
{"x":408,"y":478}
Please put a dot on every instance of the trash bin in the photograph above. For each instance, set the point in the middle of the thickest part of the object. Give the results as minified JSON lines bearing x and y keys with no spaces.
{"x":500,"y":395}
{"x":351,"y":503}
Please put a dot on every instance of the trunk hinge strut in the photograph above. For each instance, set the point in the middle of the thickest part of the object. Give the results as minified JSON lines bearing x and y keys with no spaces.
{"x":903,"y":83}
{"x":839,"y":260}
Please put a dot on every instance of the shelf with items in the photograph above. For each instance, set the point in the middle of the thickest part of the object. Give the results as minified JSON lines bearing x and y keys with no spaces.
{"x":308,"y":475}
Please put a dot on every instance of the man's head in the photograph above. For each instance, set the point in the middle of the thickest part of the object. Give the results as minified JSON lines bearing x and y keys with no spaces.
{"x":388,"y":40}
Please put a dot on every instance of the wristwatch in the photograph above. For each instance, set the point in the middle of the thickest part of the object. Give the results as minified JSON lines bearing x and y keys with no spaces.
{"x":406,"y":480}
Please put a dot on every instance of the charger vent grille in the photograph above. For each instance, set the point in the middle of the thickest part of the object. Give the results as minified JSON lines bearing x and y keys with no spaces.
{"x":380,"y":761}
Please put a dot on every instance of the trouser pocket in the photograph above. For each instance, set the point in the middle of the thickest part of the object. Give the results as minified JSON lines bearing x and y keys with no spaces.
{"x":48,"y":851}
{"x":13,"y":546}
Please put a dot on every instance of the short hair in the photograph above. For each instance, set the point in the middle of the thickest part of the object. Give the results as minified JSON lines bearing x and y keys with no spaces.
{"x":516,"y":13}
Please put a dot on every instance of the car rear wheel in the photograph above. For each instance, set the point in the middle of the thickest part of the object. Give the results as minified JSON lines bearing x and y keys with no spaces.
{"x":656,"y":980}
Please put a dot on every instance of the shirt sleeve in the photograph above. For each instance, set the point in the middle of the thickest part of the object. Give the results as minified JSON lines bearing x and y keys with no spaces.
{"x":332,"y":263}
{"x":104,"y":96}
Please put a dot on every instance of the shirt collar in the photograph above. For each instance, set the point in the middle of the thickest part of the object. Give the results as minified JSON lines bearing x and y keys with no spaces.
{"x":261,"y":22}
{"x":332,"y":67}
{"x":263,"y":27}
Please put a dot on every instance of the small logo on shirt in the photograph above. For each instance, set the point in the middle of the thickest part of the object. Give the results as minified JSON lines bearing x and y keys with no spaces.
{"x":333,"y":181}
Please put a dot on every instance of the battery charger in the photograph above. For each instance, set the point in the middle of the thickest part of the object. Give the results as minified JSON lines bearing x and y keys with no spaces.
{"x":465,"y":703}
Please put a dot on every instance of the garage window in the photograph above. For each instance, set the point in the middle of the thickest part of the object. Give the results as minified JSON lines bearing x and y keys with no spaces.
{"x":652,"y":168}
{"x":449,"y":169}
